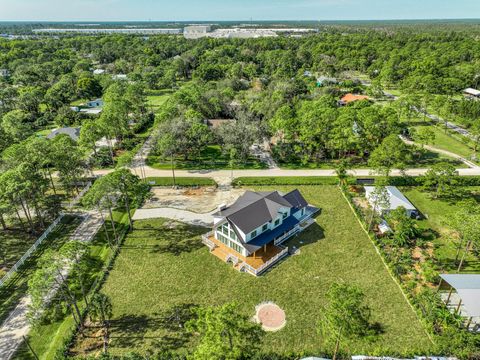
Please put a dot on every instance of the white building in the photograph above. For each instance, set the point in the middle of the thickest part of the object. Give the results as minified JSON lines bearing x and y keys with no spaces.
{"x":471,"y":93}
{"x":196,"y":31}
{"x":4,"y":72}
{"x":395,"y":198}
{"x":98,"y":71}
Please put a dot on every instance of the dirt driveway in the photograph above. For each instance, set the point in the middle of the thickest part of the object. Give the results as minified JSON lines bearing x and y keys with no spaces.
{"x":201,"y":200}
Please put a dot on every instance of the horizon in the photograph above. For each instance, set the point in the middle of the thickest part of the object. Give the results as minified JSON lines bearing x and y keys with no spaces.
{"x":231,"y":10}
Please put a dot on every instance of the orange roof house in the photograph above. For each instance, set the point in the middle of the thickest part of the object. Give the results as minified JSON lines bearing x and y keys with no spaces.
{"x":349,"y":98}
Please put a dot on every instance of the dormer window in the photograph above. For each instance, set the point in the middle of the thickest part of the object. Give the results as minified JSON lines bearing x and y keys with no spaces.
{"x":277,"y":222}
{"x":264,"y":227}
{"x":254,"y":233}
{"x":285,"y":215}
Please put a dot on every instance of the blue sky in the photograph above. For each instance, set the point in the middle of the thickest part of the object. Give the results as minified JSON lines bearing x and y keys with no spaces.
{"x":106,"y":10}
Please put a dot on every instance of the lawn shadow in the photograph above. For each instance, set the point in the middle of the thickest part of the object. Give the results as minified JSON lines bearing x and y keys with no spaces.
{"x":175,"y":240}
{"x":127,"y":330}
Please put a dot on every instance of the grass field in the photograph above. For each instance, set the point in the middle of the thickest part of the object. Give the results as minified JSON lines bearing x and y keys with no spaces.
{"x":439,"y":212}
{"x":156,"y":99}
{"x":163,"y":267}
{"x":211,"y":158}
{"x":449,"y":142}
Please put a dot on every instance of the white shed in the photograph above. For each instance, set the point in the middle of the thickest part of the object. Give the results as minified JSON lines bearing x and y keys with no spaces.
{"x":396,"y":200}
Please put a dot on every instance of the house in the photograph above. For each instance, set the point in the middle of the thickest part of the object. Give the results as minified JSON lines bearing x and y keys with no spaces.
{"x":98,"y":71}
{"x":95,"y":103}
{"x":350,"y":98}
{"x":250,"y":232}
{"x":395,"y":200}
{"x":4,"y":73}
{"x":215,"y":123}
{"x":120,"y":77}
{"x":74,"y":133}
{"x":471,"y":93}
{"x":323,"y":80}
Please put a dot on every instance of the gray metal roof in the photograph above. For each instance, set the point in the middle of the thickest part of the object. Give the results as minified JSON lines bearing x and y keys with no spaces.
{"x":253,"y":209}
{"x":74,"y":133}
{"x":468,"y":288}
{"x":396,"y":198}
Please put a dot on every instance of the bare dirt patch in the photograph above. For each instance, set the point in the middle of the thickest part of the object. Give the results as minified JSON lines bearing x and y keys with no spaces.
{"x":200,"y":200}
{"x":270,"y":316}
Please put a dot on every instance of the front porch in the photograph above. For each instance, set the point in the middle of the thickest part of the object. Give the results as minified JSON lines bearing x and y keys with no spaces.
{"x":256,"y":263}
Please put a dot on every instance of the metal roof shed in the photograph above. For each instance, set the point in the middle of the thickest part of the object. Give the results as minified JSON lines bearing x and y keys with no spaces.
{"x":467,"y":287}
{"x":395,"y":197}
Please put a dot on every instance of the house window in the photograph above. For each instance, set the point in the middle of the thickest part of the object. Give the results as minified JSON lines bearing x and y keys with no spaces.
{"x":277,"y":222}
{"x":264,"y":227}
{"x":285,"y":215}
{"x":254,"y":233}
{"x":235,"y":247}
{"x":303,"y":211}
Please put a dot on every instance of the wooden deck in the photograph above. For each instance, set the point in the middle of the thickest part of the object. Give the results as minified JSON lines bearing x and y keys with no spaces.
{"x":255,"y":260}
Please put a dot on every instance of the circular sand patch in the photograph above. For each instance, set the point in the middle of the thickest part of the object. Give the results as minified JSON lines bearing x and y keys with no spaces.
{"x":270,"y":316}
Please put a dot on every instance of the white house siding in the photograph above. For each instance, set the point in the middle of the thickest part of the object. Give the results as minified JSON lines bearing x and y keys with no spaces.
{"x":219,"y":234}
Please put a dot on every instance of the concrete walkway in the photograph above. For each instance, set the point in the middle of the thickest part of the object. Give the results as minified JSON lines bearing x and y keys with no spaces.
{"x":16,"y":326}
{"x":185,"y":216}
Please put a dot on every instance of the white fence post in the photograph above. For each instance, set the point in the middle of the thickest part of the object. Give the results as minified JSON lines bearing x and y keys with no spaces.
{"x":39,"y":241}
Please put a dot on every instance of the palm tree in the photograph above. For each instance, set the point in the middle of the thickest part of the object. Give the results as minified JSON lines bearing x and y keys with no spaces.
{"x":101,"y":311}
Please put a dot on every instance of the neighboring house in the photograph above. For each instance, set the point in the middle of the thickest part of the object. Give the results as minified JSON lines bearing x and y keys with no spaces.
{"x":324,"y":80}
{"x":249,"y":233}
{"x":472,"y":93}
{"x":98,"y":71}
{"x":350,"y":98}
{"x":74,"y":133}
{"x":395,"y":198}
{"x":215,"y":123}
{"x":120,"y":77}
{"x":4,"y":72}
{"x":95,"y":103}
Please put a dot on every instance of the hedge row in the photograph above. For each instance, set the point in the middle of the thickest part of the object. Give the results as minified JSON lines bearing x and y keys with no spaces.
{"x":181,"y":181}
{"x":287,"y":180}
{"x":332,"y":180}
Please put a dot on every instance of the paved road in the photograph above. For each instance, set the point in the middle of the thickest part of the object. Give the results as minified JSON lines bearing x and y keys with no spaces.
{"x":16,"y":325}
{"x":226,"y":174}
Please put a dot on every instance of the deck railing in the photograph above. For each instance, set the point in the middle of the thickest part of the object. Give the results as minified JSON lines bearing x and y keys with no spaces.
{"x":270,"y":262}
{"x":206,"y":240}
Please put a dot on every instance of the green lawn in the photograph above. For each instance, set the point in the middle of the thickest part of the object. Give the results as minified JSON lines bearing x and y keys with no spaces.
{"x":210,"y":158}
{"x":158,"y":98}
{"x":449,"y":142}
{"x":438,"y":213}
{"x":163,"y":267}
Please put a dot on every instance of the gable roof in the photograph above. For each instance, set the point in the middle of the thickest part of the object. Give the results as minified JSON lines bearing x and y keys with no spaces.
{"x":253,"y":209}
{"x":395,"y":197}
{"x":348,"y":98}
{"x":471,"y":91}
{"x":74,"y":133}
